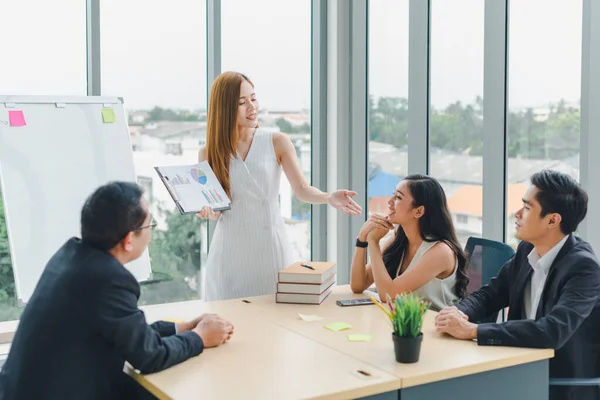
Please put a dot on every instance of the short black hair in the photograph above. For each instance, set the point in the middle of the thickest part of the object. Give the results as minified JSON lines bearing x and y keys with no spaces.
{"x":110,"y":213}
{"x":559,"y":193}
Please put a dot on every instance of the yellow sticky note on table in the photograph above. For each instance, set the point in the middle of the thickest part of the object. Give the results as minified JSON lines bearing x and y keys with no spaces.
{"x":309,"y":318}
{"x":108,"y":115}
{"x":174,"y":320}
{"x":338,"y":326}
{"x":359,"y":338}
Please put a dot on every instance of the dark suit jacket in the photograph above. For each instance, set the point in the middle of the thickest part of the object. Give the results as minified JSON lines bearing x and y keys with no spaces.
{"x":80,"y":326}
{"x":567,"y":318}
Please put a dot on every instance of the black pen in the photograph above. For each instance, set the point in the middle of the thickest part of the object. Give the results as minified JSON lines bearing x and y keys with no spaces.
{"x":307,"y":266}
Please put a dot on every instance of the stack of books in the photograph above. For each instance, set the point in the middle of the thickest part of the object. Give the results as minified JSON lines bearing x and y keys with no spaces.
{"x":306,"y":282}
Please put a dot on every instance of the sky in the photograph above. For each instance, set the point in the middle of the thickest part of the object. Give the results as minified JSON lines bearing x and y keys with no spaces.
{"x":154,"y":52}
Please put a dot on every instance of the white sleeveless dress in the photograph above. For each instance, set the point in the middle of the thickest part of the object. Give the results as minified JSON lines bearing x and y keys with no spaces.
{"x":250,"y":244}
{"x":440,"y":292}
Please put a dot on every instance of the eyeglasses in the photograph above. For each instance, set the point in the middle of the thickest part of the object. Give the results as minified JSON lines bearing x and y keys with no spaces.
{"x":151,"y":225}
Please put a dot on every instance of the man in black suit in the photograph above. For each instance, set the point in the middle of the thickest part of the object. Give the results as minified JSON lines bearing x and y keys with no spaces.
{"x":551,"y":286}
{"x":82,"y":322}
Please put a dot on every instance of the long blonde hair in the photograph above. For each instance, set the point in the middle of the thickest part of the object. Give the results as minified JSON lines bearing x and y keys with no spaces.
{"x":221,"y":128}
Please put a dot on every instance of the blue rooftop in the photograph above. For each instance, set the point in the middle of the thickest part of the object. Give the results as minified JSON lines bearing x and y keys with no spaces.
{"x":383,"y":184}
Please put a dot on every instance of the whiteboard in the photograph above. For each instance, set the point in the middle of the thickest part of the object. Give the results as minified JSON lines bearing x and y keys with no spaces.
{"x":50,"y":166}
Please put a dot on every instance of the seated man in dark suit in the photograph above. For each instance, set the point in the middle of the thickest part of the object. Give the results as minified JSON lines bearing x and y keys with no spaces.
{"x":551,"y":286}
{"x":82,"y":322}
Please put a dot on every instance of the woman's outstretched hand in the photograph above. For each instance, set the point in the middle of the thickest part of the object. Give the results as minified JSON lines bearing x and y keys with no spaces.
{"x":341,"y":200}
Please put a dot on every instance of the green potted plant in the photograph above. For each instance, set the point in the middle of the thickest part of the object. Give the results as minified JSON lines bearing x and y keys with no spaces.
{"x":406,"y":313}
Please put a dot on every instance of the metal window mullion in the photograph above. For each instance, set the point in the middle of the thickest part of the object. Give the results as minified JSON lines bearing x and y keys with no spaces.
{"x":93,"y":50}
{"x":419,"y":28}
{"x":350,"y":123}
{"x":359,"y":113}
{"x":213,"y":61}
{"x":495,"y":84}
{"x":590,"y":120}
{"x":318,"y":126}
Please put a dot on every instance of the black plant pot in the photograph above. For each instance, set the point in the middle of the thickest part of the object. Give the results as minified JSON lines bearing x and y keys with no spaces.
{"x":407,"y":349}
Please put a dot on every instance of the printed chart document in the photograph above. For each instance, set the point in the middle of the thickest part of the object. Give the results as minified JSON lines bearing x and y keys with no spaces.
{"x":193,"y":187}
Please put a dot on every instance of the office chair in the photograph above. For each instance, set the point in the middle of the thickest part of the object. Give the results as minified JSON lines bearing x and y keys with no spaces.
{"x":590,"y":331}
{"x":485,"y":258}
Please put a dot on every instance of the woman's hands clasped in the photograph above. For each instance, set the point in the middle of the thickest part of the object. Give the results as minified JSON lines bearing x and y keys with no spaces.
{"x":376,"y":227}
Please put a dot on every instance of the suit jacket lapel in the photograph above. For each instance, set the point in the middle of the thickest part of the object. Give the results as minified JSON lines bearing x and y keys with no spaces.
{"x":565,"y":250}
{"x":569,"y":243}
{"x":523,"y":277}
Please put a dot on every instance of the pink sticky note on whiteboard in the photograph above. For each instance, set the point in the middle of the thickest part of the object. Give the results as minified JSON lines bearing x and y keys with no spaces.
{"x":16,"y":118}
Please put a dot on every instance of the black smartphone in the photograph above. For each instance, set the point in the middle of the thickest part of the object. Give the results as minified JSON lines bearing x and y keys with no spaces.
{"x":353,"y":302}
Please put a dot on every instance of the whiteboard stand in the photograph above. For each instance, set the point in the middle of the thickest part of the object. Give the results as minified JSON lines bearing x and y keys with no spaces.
{"x":54,"y":152}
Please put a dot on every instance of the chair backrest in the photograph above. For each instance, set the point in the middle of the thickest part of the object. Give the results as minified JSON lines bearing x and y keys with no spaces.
{"x":589,"y":342}
{"x":485,"y":257}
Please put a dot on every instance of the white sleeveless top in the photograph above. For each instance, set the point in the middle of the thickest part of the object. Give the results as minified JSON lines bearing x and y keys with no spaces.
{"x":250,"y":244}
{"x":440,"y":292}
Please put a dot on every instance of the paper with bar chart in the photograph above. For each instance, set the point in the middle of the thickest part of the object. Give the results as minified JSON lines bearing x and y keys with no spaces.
{"x":193,"y":187}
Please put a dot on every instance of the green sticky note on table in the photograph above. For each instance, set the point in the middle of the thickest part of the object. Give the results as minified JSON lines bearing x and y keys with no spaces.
{"x":338,"y":326}
{"x":108,"y":115}
{"x":359,"y":338}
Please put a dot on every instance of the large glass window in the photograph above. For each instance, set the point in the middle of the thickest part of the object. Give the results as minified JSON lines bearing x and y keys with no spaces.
{"x":154,"y":56}
{"x":270,"y":42}
{"x":544,"y":94}
{"x":388,"y":101}
{"x":43,"y":53}
{"x":456,"y":119}
{"x":9,"y":309}
{"x":43,"y":47}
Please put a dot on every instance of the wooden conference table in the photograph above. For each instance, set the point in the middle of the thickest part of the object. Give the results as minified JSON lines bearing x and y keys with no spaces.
{"x":276,"y":355}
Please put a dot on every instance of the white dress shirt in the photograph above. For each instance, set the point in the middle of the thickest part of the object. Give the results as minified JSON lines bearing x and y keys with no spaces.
{"x":541,"y":266}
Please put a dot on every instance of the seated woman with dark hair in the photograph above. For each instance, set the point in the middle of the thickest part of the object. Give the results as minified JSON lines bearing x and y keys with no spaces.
{"x":424,"y":256}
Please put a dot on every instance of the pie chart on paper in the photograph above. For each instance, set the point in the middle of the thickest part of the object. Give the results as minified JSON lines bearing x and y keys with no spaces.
{"x":198,"y":175}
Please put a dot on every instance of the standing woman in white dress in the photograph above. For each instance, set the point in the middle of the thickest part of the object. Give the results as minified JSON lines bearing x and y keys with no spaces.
{"x":250,"y":244}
